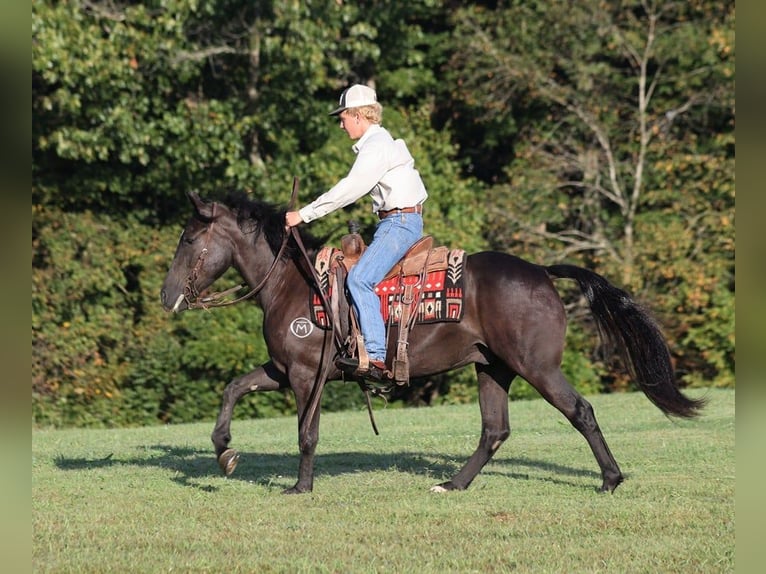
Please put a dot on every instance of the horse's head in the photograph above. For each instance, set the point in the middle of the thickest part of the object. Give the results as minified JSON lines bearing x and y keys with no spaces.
{"x":203,"y":254}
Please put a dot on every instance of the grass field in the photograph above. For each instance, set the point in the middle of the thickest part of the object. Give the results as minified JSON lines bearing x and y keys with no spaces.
{"x":152,"y":499}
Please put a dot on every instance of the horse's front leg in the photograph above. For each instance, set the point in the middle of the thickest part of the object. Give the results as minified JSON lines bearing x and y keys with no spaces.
{"x":308,"y":396}
{"x":265,"y":378}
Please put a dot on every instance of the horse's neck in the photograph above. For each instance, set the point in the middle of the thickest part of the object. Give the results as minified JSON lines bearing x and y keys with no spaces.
{"x":253,"y":262}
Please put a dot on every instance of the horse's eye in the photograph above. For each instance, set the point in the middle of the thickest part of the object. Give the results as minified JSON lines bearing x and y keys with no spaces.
{"x":190,"y":235}
{"x":188,"y":238}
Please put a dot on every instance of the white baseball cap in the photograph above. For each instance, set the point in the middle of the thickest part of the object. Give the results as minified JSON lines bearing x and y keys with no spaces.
{"x":354,"y":97}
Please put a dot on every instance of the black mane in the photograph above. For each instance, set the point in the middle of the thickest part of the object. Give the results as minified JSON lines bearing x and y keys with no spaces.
{"x":256,"y":216}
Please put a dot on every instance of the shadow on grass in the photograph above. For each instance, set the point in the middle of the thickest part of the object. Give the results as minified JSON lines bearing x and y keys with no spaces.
{"x":195,"y":467}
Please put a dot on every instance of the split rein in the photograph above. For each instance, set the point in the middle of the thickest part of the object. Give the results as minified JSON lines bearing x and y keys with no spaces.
{"x":218,"y":299}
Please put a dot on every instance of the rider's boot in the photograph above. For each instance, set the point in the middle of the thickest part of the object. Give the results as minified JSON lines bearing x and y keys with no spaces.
{"x":376,"y":370}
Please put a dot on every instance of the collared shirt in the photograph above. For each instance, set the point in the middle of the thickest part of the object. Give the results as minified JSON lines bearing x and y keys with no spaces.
{"x":383,"y":168}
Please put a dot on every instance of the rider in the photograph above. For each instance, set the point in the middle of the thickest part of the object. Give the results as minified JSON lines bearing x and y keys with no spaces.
{"x":385,"y":170}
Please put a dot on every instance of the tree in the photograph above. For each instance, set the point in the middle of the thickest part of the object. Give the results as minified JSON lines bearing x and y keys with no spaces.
{"x":613,"y":118}
{"x":135,"y":104}
{"x":601,"y":133}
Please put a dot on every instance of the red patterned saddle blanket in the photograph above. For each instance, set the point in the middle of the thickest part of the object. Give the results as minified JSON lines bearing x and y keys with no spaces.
{"x":430,"y":281}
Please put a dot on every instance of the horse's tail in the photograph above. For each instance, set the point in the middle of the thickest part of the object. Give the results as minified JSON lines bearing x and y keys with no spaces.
{"x":628,"y":327}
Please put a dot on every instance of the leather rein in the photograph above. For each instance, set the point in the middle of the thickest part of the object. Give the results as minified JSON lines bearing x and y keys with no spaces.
{"x":218,"y":298}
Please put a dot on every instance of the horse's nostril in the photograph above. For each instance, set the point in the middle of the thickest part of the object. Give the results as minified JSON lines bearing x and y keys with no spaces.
{"x":163,"y":297}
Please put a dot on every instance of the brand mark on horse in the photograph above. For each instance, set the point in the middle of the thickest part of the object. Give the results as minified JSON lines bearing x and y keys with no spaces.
{"x":301,"y":327}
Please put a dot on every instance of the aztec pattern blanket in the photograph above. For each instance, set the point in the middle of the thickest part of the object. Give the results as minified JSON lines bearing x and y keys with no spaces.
{"x":439,"y":296}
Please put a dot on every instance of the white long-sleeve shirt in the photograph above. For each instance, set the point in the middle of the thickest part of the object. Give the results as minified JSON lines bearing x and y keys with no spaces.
{"x":384,"y":169}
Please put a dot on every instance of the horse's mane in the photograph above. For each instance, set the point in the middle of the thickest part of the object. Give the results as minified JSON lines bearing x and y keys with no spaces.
{"x":255,"y":216}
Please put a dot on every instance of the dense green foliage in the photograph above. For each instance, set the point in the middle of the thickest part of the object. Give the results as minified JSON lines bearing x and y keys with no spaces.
{"x":600,"y":134}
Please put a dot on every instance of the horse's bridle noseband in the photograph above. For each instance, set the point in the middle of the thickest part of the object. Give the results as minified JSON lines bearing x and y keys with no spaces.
{"x":191,"y":293}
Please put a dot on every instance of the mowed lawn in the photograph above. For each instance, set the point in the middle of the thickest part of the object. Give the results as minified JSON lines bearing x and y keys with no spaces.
{"x":153,"y":500}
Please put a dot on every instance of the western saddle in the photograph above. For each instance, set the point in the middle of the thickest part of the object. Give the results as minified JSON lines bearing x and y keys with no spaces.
{"x":419,"y":260}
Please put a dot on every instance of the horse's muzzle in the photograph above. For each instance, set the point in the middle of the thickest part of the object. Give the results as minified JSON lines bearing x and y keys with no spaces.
{"x":177,"y":306}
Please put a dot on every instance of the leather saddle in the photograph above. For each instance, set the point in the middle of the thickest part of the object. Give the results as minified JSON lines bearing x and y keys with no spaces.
{"x":420,"y":259}
{"x":422,"y":255}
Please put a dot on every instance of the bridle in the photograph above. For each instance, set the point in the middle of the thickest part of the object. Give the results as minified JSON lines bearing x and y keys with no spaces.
{"x":191,"y":293}
{"x":218,"y":299}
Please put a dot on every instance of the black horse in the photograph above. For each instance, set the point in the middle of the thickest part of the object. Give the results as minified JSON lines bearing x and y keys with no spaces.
{"x":513,"y":325}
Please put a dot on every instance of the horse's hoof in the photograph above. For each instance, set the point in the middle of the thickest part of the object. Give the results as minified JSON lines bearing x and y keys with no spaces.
{"x":610,"y":484}
{"x":296,"y":490}
{"x":228,"y":461}
{"x":443,"y":487}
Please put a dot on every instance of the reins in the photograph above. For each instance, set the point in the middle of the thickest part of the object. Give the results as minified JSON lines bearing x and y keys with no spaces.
{"x":316,"y":391}
{"x":217,"y":299}
{"x":318,"y":284}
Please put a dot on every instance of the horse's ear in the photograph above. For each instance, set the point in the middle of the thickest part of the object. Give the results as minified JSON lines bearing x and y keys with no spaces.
{"x":205,"y":210}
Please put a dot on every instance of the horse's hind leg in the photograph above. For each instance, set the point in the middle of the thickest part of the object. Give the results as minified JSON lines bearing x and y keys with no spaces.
{"x":558,"y":392}
{"x":494,"y":382}
{"x":264,"y":378}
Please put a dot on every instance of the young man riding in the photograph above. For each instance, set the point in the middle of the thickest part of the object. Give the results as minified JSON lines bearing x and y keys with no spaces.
{"x":385,"y":170}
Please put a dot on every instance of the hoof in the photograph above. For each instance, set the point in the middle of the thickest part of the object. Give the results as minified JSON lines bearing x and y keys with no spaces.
{"x":608,"y":486}
{"x":296,"y":490}
{"x":443,"y":487}
{"x":228,"y":461}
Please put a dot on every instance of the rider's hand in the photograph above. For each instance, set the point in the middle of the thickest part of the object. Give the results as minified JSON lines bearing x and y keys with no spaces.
{"x":292,"y":218}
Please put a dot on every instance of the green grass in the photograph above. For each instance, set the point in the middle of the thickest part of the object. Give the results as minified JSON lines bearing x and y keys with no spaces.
{"x":152,"y":499}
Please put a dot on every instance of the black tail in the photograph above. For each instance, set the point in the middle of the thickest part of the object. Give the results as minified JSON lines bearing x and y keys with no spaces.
{"x":629,"y":328}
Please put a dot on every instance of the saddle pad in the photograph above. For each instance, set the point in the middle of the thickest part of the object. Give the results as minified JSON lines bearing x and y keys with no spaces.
{"x":439,"y":296}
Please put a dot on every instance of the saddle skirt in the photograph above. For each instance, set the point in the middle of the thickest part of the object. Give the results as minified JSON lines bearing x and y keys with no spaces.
{"x":427,"y":279}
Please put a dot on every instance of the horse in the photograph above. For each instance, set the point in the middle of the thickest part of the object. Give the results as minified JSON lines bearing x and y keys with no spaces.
{"x":513,"y":325}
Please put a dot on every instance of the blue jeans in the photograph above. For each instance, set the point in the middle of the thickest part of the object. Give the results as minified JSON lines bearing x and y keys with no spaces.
{"x":393,"y":237}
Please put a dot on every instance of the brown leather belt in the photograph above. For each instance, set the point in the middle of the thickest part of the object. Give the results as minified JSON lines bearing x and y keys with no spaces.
{"x":416,"y":209}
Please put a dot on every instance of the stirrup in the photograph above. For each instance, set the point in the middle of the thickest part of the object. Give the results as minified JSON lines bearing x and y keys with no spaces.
{"x":347,"y":364}
{"x":350,"y":366}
